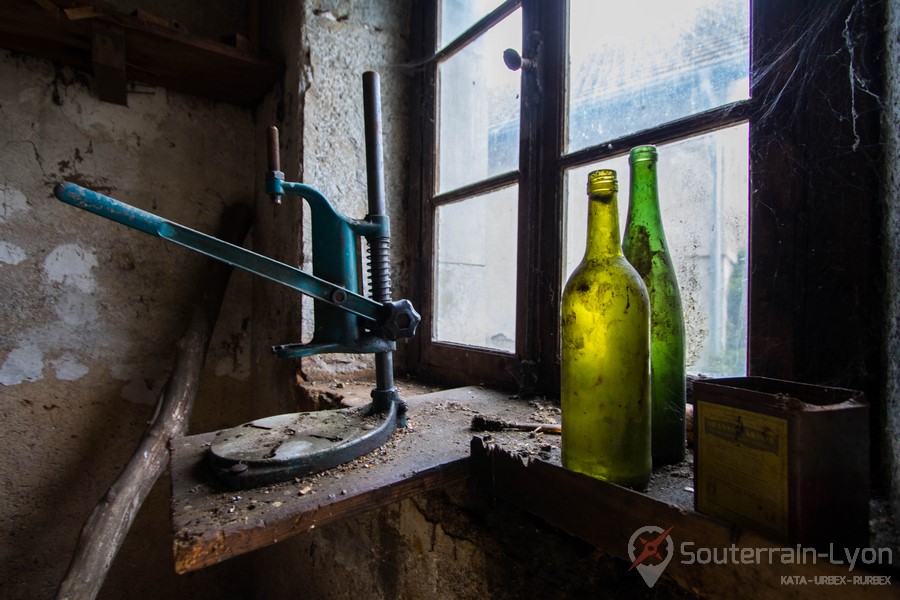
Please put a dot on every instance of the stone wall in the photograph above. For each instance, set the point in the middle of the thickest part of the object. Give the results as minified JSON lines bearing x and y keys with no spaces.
{"x":446,"y":545}
{"x":341,"y":40}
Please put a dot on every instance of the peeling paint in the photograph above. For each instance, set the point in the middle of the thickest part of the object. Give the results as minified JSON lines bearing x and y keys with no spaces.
{"x":75,"y":307}
{"x":144,"y":383}
{"x":25,"y":363}
{"x":228,"y":367}
{"x":70,"y":264}
{"x":12,"y":201}
{"x":69,"y":368}
{"x":85,"y":296}
{"x":142,"y":391}
{"x":11,"y":254}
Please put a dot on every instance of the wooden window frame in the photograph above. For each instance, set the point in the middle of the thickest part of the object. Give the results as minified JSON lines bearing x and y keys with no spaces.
{"x":815,"y":276}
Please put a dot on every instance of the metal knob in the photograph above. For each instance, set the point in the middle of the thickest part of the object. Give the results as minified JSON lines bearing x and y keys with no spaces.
{"x":401,"y":320}
{"x":514,"y":61}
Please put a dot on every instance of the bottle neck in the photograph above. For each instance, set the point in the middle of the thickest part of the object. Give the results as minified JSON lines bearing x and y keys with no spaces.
{"x":603,"y":226}
{"x":643,"y":207}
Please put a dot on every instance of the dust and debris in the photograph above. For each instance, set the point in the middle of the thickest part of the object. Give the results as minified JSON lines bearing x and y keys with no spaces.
{"x":545,"y":412}
{"x":527,"y":446}
{"x":227,"y":507}
{"x":532,"y":444}
{"x":884,"y":532}
{"x":437,"y":431}
{"x":674,"y":484}
{"x":351,"y":393}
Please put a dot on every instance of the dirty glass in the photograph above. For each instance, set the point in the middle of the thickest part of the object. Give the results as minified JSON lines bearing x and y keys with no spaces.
{"x":637,"y":65}
{"x":478,"y":110}
{"x":703,"y":189}
{"x":475,"y":302}
{"x":459,"y":15}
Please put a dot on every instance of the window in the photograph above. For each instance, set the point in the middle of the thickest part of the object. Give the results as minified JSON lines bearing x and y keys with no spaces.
{"x":501,"y":159}
{"x":614,"y":82}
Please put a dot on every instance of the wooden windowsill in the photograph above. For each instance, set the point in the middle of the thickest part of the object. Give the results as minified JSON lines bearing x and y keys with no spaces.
{"x":438,"y":449}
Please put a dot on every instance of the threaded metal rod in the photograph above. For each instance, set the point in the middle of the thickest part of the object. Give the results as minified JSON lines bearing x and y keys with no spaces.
{"x":379,"y":269}
{"x":379,"y":262}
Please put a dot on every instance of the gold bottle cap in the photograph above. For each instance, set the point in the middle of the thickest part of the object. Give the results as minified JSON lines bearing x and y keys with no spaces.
{"x":641,"y":153}
{"x":602,"y":181}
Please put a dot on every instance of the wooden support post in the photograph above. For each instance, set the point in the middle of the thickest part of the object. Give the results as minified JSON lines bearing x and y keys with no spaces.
{"x":104,"y":531}
{"x":108,"y":55}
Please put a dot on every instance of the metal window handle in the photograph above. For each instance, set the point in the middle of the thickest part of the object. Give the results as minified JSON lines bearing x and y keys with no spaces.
{"x":514,"y":61}
{"x":532,"y":53}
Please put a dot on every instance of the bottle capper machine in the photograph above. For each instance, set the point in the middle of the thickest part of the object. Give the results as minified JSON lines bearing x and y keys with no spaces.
{"x":284,"y":446}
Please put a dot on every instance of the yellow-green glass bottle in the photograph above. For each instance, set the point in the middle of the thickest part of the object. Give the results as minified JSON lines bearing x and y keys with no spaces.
{"x":605,"y":353}
{"x":646,"y":249}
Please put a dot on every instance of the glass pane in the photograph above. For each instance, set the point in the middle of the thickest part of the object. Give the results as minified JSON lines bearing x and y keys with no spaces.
{"x":478,"y":114}
{"x":636,"y":65}
{"x":703,"y":189}
{"x":458,"y":15}
{"x":475,"y":303}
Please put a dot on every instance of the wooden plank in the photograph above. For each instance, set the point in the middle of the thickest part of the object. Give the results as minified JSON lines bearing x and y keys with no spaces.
{"x":156,"y":55}
{"x":212,"y":524}
{"x":48,"y":5}
{"x":108,"y":54}
{"x":27,"y":28}
{"x":81,"y":12}
{"x":607,"y":515}
{"x":178,"y":60}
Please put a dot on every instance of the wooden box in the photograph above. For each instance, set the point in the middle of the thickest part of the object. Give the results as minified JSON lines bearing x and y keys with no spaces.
{"x":788,"y":459}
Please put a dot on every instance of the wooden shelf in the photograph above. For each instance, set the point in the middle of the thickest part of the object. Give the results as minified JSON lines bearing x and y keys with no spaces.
{"x":153,"y":54}
{"x":212,"y":524}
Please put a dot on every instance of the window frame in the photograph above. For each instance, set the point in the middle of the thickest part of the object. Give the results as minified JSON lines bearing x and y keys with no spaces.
{"x":791,"y":334}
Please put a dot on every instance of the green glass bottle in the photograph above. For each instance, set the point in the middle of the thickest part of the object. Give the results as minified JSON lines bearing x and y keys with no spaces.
{"x":646,"y":249}
{"x":605,"y":360}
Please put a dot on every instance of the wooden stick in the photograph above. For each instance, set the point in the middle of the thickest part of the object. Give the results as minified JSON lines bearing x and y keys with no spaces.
{"x":483,"y":423}
{"x":105,"y":529}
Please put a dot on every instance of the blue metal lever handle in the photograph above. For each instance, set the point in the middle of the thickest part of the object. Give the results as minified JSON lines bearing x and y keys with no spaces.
{"x":257,"y":264}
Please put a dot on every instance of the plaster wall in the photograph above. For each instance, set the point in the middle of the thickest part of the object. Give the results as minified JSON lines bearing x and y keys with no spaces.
{"x":91,"y":310}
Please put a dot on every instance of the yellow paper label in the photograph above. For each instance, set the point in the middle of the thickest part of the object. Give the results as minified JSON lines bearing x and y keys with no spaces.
{"x":743,"y":468}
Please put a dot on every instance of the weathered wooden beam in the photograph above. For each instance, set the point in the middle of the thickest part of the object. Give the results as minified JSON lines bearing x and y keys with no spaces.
{"x":62,"y":31}
{"x":108,"y":56}
{"x":607,"y":516}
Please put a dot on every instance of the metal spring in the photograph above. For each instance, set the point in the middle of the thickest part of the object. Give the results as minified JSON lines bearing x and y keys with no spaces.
{"x":379,"y":269}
